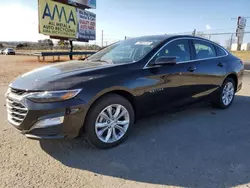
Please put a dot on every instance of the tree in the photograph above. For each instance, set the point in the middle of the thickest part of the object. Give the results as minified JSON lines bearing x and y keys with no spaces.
{"x":23,"y":45}
{"x":46,"y":43}
{"x":93,"y":47}
{"x":63,"y":43}
{"x":1,"y":45}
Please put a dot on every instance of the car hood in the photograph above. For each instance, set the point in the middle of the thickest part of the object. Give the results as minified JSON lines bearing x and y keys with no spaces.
{"x":66,"y":75}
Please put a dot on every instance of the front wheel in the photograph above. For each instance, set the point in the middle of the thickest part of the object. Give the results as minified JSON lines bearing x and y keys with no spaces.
{"x":225,"y":96}
{"x":109,"y":121}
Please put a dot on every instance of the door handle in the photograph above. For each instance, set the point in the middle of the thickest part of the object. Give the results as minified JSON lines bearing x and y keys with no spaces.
{"x":220,"y":64}
{"x":191,"y":69}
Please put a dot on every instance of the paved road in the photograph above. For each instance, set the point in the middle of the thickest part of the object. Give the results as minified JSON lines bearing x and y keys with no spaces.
{"x":197,"y":147}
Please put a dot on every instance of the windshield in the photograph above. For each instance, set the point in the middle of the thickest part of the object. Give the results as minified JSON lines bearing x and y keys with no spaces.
{"x":126,"y":51}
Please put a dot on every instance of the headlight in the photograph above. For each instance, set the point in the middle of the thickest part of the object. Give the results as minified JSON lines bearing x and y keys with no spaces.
{"x":53,"y":96}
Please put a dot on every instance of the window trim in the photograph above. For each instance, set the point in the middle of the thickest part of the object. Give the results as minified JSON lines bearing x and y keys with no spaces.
{"x":193,"y":60}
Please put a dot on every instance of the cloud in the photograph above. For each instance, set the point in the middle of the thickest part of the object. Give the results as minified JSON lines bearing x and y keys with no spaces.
{"x":19,"y":23}
{"x":208,"y":27}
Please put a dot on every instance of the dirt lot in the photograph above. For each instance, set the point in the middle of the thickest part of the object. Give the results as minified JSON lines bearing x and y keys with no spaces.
{"x":198,"y":147}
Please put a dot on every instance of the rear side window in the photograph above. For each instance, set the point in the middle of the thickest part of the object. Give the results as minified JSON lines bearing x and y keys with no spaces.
{"x":204,"y":49}
{"x":220,"y":51}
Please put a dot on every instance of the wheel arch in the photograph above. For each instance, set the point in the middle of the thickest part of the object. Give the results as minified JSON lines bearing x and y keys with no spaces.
{"x":118,"y":91}
{"x":234,"y":77}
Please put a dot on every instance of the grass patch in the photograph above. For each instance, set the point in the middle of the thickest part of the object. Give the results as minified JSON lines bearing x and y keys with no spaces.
{"x":243,"y":55}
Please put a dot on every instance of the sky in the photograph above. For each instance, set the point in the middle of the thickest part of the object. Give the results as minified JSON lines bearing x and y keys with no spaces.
{"x":131,"y":18}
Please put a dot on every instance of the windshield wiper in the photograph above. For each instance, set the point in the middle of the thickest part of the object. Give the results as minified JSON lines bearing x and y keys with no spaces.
{"x":100,"y":60}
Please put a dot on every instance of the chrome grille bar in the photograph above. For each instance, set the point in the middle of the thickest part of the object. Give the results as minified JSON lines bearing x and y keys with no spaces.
{"x":15,"y":109}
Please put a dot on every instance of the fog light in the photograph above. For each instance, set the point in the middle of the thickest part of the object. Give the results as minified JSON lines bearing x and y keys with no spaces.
{"x":49,"y":122}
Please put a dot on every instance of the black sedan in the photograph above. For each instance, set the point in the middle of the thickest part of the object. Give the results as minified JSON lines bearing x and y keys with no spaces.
{"x":102,"y":96}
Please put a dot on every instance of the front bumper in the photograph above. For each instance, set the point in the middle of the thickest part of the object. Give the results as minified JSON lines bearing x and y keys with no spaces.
{"x":11,"y":53}
{"x":73,"y":111}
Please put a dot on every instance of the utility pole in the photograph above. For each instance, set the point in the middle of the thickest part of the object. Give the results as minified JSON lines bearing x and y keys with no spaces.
{"x":238,"y":44}
{"x":231,"y":41}
{"x":102,"y":38}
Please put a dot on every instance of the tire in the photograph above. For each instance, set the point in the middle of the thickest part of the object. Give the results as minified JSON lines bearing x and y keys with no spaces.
{"x":94,"y":117}
{"x":219,"y":101}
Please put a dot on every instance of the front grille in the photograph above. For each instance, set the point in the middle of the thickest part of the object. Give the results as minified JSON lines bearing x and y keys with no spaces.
{"x":16,"y":111}
{"x":17,"y":91}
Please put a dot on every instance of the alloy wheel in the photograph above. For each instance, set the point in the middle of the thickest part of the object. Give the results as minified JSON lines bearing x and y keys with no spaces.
{"x":112,"y":123}
{"x":228,"y":93}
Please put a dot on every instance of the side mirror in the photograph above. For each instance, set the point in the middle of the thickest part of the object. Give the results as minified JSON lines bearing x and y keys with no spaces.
{"x":165,"y":60}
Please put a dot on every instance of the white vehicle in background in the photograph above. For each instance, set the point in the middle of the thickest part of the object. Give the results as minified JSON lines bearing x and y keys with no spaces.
{"x":9,"y":51}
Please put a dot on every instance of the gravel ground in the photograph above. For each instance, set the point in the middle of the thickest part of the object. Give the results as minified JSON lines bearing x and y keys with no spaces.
{"x":197,"y":147}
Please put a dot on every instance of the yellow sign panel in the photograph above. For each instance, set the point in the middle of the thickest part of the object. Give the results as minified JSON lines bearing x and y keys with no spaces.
{"x":57,"y":19}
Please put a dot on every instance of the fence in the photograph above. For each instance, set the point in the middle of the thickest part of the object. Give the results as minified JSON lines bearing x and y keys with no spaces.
{"x":228,"y":40}
{"x":225,"y":39}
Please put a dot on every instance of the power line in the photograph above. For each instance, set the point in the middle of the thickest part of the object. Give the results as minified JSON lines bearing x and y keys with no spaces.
{"x":226,"y":33}
{"x":238,"y":18}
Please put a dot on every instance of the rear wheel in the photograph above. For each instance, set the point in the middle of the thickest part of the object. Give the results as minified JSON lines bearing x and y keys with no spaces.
{"x":109,"y":121}
{"x":226,"y":94}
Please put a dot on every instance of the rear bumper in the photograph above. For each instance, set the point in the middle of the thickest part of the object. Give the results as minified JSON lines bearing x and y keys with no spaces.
{"x":240,"y":76}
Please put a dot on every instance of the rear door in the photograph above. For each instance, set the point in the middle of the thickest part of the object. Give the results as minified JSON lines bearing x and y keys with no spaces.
{"x":210,"y":66}
{"x":170,"y":85}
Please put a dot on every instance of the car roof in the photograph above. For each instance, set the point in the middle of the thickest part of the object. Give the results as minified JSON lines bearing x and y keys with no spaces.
{"x":165,"y":37}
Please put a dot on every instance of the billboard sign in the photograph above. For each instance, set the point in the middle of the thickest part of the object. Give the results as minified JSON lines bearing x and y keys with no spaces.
{"x":241,"y":24}
{"x":61,"y":20}
{"x":86,"y":25}
{"x":83,"y":3}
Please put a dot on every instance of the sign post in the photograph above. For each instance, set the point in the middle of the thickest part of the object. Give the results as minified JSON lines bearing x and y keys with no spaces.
{"x":71,"y":49}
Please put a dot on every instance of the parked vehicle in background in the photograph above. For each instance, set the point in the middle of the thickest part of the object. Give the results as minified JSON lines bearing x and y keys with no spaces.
{"x":9,"y":51}
{"x":102,"y":96}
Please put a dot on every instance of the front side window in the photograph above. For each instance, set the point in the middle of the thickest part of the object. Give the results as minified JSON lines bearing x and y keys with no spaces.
{"x":127,"y":51}
{"x":204,"y":49}
{"x":177,"y":48}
